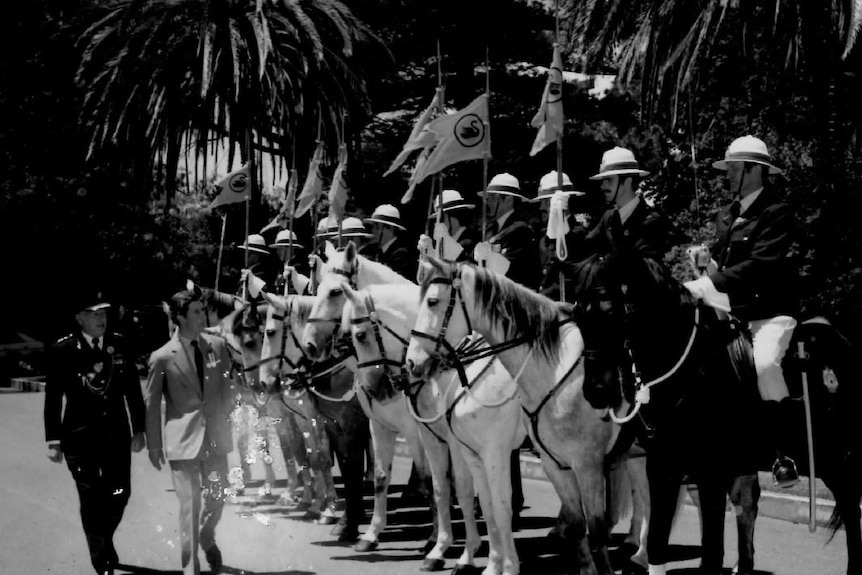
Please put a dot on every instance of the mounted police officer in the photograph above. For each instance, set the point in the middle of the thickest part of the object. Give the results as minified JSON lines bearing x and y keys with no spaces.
{"x":454,"y":239}
{"x":260,"y":261}
{"x":751,"y":275}
{"x":94,"y":370}
{"x":352,"y":229}
{"x":557,"y":219}
{"x":294,"y":264}
{"x":508,"y":231}
{"x":391,"y":250}
{"x":629,"y":223}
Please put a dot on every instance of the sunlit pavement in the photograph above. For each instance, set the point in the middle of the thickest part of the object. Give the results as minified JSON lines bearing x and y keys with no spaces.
{"x":40,"y":530}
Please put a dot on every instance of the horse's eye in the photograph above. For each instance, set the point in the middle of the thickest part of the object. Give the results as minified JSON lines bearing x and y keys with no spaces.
{"x":336,"y":292}
{"x":360,"y":336}
{"x":270,"y":333}
{"x":433,"y":301}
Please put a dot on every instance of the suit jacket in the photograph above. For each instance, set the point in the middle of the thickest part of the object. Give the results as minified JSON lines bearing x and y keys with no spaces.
{"x":98,"y":387}
{"x":399,"y":258}
{"x":518,"y":245}
{"x":752,"y":253}
{"x":189,"y":413}
{"x":646,"y":231}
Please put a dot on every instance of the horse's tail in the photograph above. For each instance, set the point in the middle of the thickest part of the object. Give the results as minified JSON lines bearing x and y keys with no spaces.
{"x":835,"y":523}
{"x":619,"y":493}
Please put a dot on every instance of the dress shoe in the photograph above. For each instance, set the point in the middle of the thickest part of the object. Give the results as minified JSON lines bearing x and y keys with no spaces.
{"x":784,"y":472}
{"x":213,"y":556}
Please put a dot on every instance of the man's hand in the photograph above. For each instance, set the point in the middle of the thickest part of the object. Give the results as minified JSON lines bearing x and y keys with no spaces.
{"x":157,"y":458}
{"x":138,"y":442}
{"x":55,"y":453}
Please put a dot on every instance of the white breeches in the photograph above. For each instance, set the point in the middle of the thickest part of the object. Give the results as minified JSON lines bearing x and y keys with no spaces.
{"x":770,"y":339}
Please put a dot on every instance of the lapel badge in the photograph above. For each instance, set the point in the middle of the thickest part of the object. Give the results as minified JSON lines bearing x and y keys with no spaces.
{"x":211,"y":359}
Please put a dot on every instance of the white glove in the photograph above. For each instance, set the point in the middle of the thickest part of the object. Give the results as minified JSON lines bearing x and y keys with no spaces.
{"x":703,"y":288}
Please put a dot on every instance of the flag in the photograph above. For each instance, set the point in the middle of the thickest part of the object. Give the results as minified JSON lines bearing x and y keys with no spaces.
{"x":313,"y":186}
{"x":234,"y":187}
{"x":411,"y":185}
{"x":419,"y":137}
{"x":288,"y":204}
{"x":338,"y":191}
{"x":549,"y":118}
{"x":462,"y":136}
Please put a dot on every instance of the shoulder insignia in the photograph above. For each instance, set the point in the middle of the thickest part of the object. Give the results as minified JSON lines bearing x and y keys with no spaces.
{"x":65,"y":338}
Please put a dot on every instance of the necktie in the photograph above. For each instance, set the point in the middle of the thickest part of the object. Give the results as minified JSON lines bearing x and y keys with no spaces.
{"x":199,"y":362}
{"x":96,"y":344}
{"x":616,"y":225}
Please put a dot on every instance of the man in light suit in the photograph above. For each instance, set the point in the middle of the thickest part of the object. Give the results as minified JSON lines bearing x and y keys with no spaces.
{"x":190,"y":372}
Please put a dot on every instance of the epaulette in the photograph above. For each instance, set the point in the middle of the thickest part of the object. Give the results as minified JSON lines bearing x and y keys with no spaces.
{"x":117,"y":336}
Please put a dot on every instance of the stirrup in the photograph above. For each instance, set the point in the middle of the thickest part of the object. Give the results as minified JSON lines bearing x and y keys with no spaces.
{"x":790,"y":464}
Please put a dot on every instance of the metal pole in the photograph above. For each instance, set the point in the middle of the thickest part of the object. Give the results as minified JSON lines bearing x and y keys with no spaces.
{"x":812,"y":476}
{"x":486,"y":159}
{"x":220,"y":249}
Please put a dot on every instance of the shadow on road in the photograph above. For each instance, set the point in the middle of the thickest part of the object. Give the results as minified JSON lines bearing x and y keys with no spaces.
{"x":133,"y":570}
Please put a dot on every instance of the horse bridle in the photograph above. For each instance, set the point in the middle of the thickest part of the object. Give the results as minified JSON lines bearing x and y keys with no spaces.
{"x":399,"y":379}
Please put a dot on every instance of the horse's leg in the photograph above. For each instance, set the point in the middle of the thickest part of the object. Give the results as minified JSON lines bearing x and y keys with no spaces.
{"x":481,"y":479}
{"x":498,"y":469}
{"x":420,"y":460}
{"x":328,"y":514}
{"x":384,"y":451}
{"x":464,"y":491}
{"x":369,"y":460}
{"x":636,"y":468}
{"x":744,"y":494}
{"x":664,"y":487}
{"x":572,"y":514}
{"x":351,"y":444}
{"x":437,"y":454}
{"x":589,"y":472}
{"x":286,"y":451}
{"x":296,"y":455}
{"x":713,"y":503}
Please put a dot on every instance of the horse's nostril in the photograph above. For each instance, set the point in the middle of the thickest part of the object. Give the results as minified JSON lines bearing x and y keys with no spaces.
{"x":411,"y":366}
{"x":311,"y":349}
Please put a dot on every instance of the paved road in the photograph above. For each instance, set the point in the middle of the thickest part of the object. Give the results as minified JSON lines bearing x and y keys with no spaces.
{"x":40,"y":530}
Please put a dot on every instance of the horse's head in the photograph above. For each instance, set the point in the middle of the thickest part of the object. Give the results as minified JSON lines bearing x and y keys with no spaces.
{"x":379,"y":332}
{"x":243,"y":330}
{"x":281,"y":353}
{"x":623,"y":311}
{"x":442,"y":321}
{"x":325,"y":319}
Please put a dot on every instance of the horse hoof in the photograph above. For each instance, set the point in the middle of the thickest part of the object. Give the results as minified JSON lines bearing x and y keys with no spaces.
{"x":327,"y":520}
{"x":338,"y":529}
{"x":348,"y":535}
{"x":303,"y":505}
{"x":429,"y":545}
{"x":432,"y":565}
{"x":465,"y":570}
{"x":311,"y":516}
{"x":364,"y":545}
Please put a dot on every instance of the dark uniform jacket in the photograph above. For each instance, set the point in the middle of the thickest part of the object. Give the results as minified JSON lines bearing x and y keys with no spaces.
{"x":98,"y":386}
{"x":518,"y":245}
{"x":646,"y":230}
{"x":752,"y":253}
{"x":468,"y":240}
{"x":397,"y":257}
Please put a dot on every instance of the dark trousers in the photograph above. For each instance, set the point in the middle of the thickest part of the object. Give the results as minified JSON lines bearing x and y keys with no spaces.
{"x":102,"y":477}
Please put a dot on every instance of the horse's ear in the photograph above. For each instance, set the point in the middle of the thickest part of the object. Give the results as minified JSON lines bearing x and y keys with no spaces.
{"x":436,"y":263}
{"x":350,"y":253}
{"x":166,"y":308}
{"x":330,"y":250}
{"x":238,"y":304}
{"x":274,"y":300}
{"x":316,"y":267}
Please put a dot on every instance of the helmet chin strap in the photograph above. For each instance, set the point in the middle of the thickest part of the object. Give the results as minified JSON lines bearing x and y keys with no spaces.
{"x":613,"y":201}
{"x":741,"y":181}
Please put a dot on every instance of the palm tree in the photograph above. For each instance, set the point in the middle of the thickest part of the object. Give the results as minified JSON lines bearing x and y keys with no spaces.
{"x":162,"y":74}
{"x":664,"y":43}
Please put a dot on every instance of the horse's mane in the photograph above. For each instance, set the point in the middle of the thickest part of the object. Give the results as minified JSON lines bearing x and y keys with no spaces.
{"x":244,"y":318}
{"x":618,"y":268}
{"x":517,"y":310}
{"x":387,"y":275}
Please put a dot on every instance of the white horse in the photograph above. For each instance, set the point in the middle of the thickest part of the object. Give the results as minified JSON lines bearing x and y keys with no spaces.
{"x":482,"y":422}
{"x":244,"y":330}
{"x":385,"y":408}
{"x":544,"y":355}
